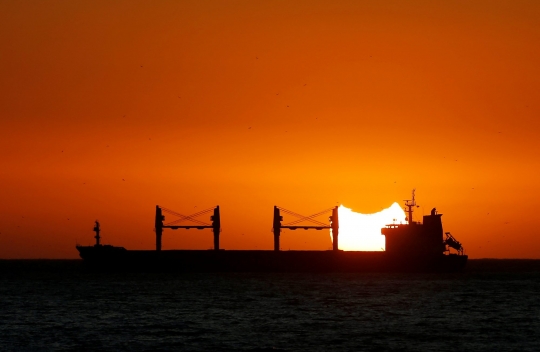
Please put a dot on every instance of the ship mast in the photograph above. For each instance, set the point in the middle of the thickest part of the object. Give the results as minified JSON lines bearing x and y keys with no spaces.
{"x":96,"y":230}
{"x":410,"y":204}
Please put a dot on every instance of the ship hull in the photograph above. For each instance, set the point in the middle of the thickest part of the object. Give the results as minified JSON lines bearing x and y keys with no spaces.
{"x":118,"y":258}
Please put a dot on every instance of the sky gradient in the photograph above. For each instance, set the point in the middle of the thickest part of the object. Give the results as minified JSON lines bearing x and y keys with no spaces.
{"x":108,"y":108}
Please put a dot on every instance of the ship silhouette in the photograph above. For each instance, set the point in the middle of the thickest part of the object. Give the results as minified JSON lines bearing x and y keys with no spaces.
{"x":410,"y":247}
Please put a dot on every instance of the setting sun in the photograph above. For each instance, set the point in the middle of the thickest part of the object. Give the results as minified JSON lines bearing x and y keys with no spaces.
{"x":362,"y":232}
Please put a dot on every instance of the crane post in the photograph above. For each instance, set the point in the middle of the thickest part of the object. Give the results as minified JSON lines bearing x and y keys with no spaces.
{"x":277,"y":227}
{"x":159,"y":227}
{"x":335,"y":228}
{"x":216,"y":227}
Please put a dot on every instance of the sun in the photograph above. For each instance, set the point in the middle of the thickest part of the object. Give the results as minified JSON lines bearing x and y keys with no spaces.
{"x":362,"y":232}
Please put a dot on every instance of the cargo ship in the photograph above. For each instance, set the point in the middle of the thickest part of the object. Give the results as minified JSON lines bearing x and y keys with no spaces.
{"x":410,"y":247}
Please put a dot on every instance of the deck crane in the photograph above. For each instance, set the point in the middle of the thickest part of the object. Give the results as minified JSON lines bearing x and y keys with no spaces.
{"x":450,"y":241}
{"x":199,"y":225}
{"x":295,"y":224}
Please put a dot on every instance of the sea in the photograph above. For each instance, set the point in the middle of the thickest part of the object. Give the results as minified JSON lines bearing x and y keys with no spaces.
{"x":50,"y":305}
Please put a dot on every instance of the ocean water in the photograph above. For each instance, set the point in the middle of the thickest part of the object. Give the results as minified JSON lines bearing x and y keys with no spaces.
{"x":56,"y":306}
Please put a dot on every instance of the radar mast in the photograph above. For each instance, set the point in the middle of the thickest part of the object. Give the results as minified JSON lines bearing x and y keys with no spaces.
{"x":410,"y":204}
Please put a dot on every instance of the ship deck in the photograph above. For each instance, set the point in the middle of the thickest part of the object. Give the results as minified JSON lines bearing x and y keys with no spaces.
{"x":267,"y":261}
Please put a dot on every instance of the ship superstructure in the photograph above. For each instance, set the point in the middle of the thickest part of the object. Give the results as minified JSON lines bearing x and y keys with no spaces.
{"x":422,"y":239}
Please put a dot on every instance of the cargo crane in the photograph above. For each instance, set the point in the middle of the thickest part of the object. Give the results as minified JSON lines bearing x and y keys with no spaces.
{"x":293,"y":225}
{"x":199,"y":225}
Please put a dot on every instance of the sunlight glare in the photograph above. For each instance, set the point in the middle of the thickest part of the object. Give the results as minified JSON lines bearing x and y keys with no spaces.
{"x":362,"y":232}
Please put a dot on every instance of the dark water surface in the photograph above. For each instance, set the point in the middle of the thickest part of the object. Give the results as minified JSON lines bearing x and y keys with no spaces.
{"x":53,"y":305}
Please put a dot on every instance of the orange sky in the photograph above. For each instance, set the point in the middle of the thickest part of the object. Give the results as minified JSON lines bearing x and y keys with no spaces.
{"x":251,"y":104}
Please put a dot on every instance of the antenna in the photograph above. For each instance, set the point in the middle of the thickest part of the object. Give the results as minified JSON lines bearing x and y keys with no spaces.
{"x":96,"y":230}
{"x":410,"y":204}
